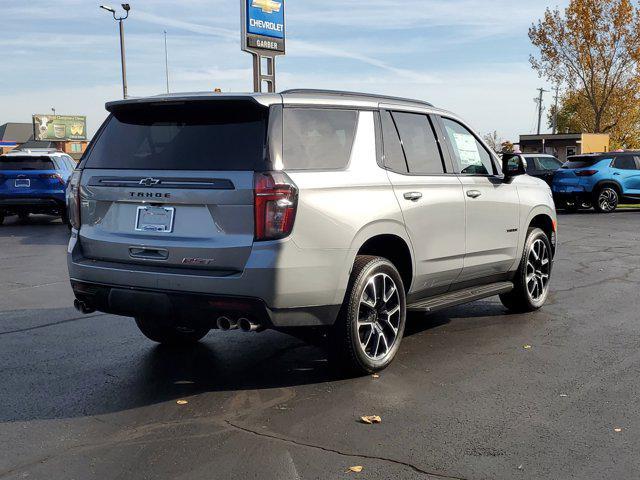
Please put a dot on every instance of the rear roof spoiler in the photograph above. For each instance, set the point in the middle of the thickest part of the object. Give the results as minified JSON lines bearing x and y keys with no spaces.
{"x":258,"y":99}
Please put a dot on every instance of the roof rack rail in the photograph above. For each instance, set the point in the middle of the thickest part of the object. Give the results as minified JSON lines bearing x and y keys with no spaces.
{"x":358,"y":94}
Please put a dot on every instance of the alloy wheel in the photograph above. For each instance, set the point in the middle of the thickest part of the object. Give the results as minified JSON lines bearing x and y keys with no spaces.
{"x":608,"y":199}
{"x":538,"y":270}
{"x":379,"y":316}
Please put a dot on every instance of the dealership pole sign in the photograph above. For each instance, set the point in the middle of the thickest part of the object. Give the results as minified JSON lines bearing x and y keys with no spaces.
{"x":263,"y":36}
{"x":59,"y":128}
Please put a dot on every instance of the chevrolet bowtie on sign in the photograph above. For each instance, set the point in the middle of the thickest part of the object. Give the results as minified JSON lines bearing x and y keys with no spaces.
{"x":267,"y":6}
{"x":264,"y":26}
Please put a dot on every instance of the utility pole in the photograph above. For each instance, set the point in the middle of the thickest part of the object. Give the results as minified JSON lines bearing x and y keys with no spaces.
{"x":166,"y":59}
{"x":120,"y":20}
{"x":539,"y":100}
{"x":555,"y":111}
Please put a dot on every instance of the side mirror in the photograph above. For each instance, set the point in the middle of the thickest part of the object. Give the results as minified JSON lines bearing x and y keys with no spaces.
{"x":513,"y":165}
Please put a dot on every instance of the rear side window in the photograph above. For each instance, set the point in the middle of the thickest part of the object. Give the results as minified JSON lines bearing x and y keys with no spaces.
{"x":26,"y":163}
{"x":318,"y":139}
{"x":472,"y":157}
{"x":581,"y":162}
{"x":419,"y":142}
{"x":625,"y":163}
{"x":393,"y":155}
{"x":548,"y":163}
{"x":183,"y":136}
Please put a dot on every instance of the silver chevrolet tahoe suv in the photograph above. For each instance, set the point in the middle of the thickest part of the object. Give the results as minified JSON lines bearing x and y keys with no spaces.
{"x":306,"y":210}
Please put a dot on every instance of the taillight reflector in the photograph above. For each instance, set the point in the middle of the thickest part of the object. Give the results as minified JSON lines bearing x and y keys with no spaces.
{"x":586,"y":173}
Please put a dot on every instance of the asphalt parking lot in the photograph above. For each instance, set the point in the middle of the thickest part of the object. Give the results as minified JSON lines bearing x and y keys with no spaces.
{"x":475,"y":393}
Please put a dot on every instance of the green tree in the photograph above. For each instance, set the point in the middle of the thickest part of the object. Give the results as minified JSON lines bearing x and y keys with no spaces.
{"x":592,"y":50}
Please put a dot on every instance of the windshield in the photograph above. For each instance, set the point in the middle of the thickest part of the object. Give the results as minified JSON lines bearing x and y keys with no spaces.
{"x":185,"y":136}
{"x":25,"y":162}
{"x":581,"y":162}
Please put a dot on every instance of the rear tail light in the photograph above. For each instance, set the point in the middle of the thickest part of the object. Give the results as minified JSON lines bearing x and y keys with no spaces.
{"x":586,"y":173}
{"x":276,"y":202}
{"x":51,"y":176}
{"x":73,"y":199}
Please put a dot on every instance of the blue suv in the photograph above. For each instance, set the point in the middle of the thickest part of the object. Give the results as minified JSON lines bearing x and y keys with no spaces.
{"x":601,"y":180}
{"x":34,"y":181}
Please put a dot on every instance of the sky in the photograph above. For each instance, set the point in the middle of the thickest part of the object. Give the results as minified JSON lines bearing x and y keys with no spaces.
{"x":468,"y":56}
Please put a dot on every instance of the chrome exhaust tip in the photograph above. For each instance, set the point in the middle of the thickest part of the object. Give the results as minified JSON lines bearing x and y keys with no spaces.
{"x":247,"y":325}
{"x":83,"y":307}
{"x":225,"y":324}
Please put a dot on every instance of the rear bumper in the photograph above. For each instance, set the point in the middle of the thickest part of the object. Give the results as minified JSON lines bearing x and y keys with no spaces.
{"x":204,"y":308}
{"x":32,"y":203}
{"x":575,"y":197}
{"x":293,"y":287}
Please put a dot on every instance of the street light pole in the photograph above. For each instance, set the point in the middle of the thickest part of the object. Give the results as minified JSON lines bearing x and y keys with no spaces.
{"x":166,"y":59}
{"x":123,"y":61}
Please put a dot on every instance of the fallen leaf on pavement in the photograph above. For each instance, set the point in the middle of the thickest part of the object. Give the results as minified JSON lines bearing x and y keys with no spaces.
{"x":182,"y":402}
{"x":375,"y":375}
{"x":370,"y":419}
{"x":356,"y":469}
{"x":527,"y":347}
{"x":617,"y":430}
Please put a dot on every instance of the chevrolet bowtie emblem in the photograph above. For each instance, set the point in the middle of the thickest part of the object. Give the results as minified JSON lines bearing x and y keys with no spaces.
{"x":149,"y":182}
{"x":267,"y":6}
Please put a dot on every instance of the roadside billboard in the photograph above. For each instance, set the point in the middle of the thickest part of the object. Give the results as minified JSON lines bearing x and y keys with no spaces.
{"x":59,"y":128}
{"x":263,"y":26}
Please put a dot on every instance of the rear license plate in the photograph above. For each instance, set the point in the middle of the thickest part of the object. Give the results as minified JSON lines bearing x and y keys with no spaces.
{"x":155,"y":219}
{"x":22,"y":182}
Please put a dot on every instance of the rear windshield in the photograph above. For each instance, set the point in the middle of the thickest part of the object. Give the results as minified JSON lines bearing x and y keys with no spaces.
{"x":581,"y":162}
{"x":193,"y":136}
{"x":26,"y":163}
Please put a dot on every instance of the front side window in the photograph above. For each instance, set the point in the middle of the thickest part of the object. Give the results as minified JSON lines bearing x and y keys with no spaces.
{"x":420,"y":145}
{"x":318,"y":139}
{"x":468,"y":152}
{"x":625,"y":163}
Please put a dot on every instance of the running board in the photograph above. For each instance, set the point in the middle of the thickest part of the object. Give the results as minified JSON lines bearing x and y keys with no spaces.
{"x":460,"y":297}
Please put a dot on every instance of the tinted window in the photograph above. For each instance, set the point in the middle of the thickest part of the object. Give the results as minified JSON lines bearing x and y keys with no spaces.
{"x":548,"y":163}
{"x":625,"y":163}
{"x":26,"y":163}
{"x":192,"y":136}
{"x":318,"y":139}
{"x":581,"y":162}
{"x":393,"y":155}
{"x":419,"y":142}
{"x":531,"y":164}
{"x":471,"y":156}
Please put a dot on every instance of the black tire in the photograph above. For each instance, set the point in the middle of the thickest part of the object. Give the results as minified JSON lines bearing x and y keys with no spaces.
{"x":521,"y":299}
{"x":606,"y":199}
{"x":170,"y":334}
{"x":346,"y":337}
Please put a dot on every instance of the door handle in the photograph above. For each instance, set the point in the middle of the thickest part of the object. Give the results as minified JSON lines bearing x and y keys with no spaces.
{"x":413,"y":196}
{"x":617,"y":174}
{"x":474,"y":193}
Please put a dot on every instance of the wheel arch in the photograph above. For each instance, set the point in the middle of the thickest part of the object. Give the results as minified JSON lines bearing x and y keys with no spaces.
{"x":608,"y":183}
{"x":394,"y":249}
{"x":371,"y":239}
{"x":548,"y":225}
